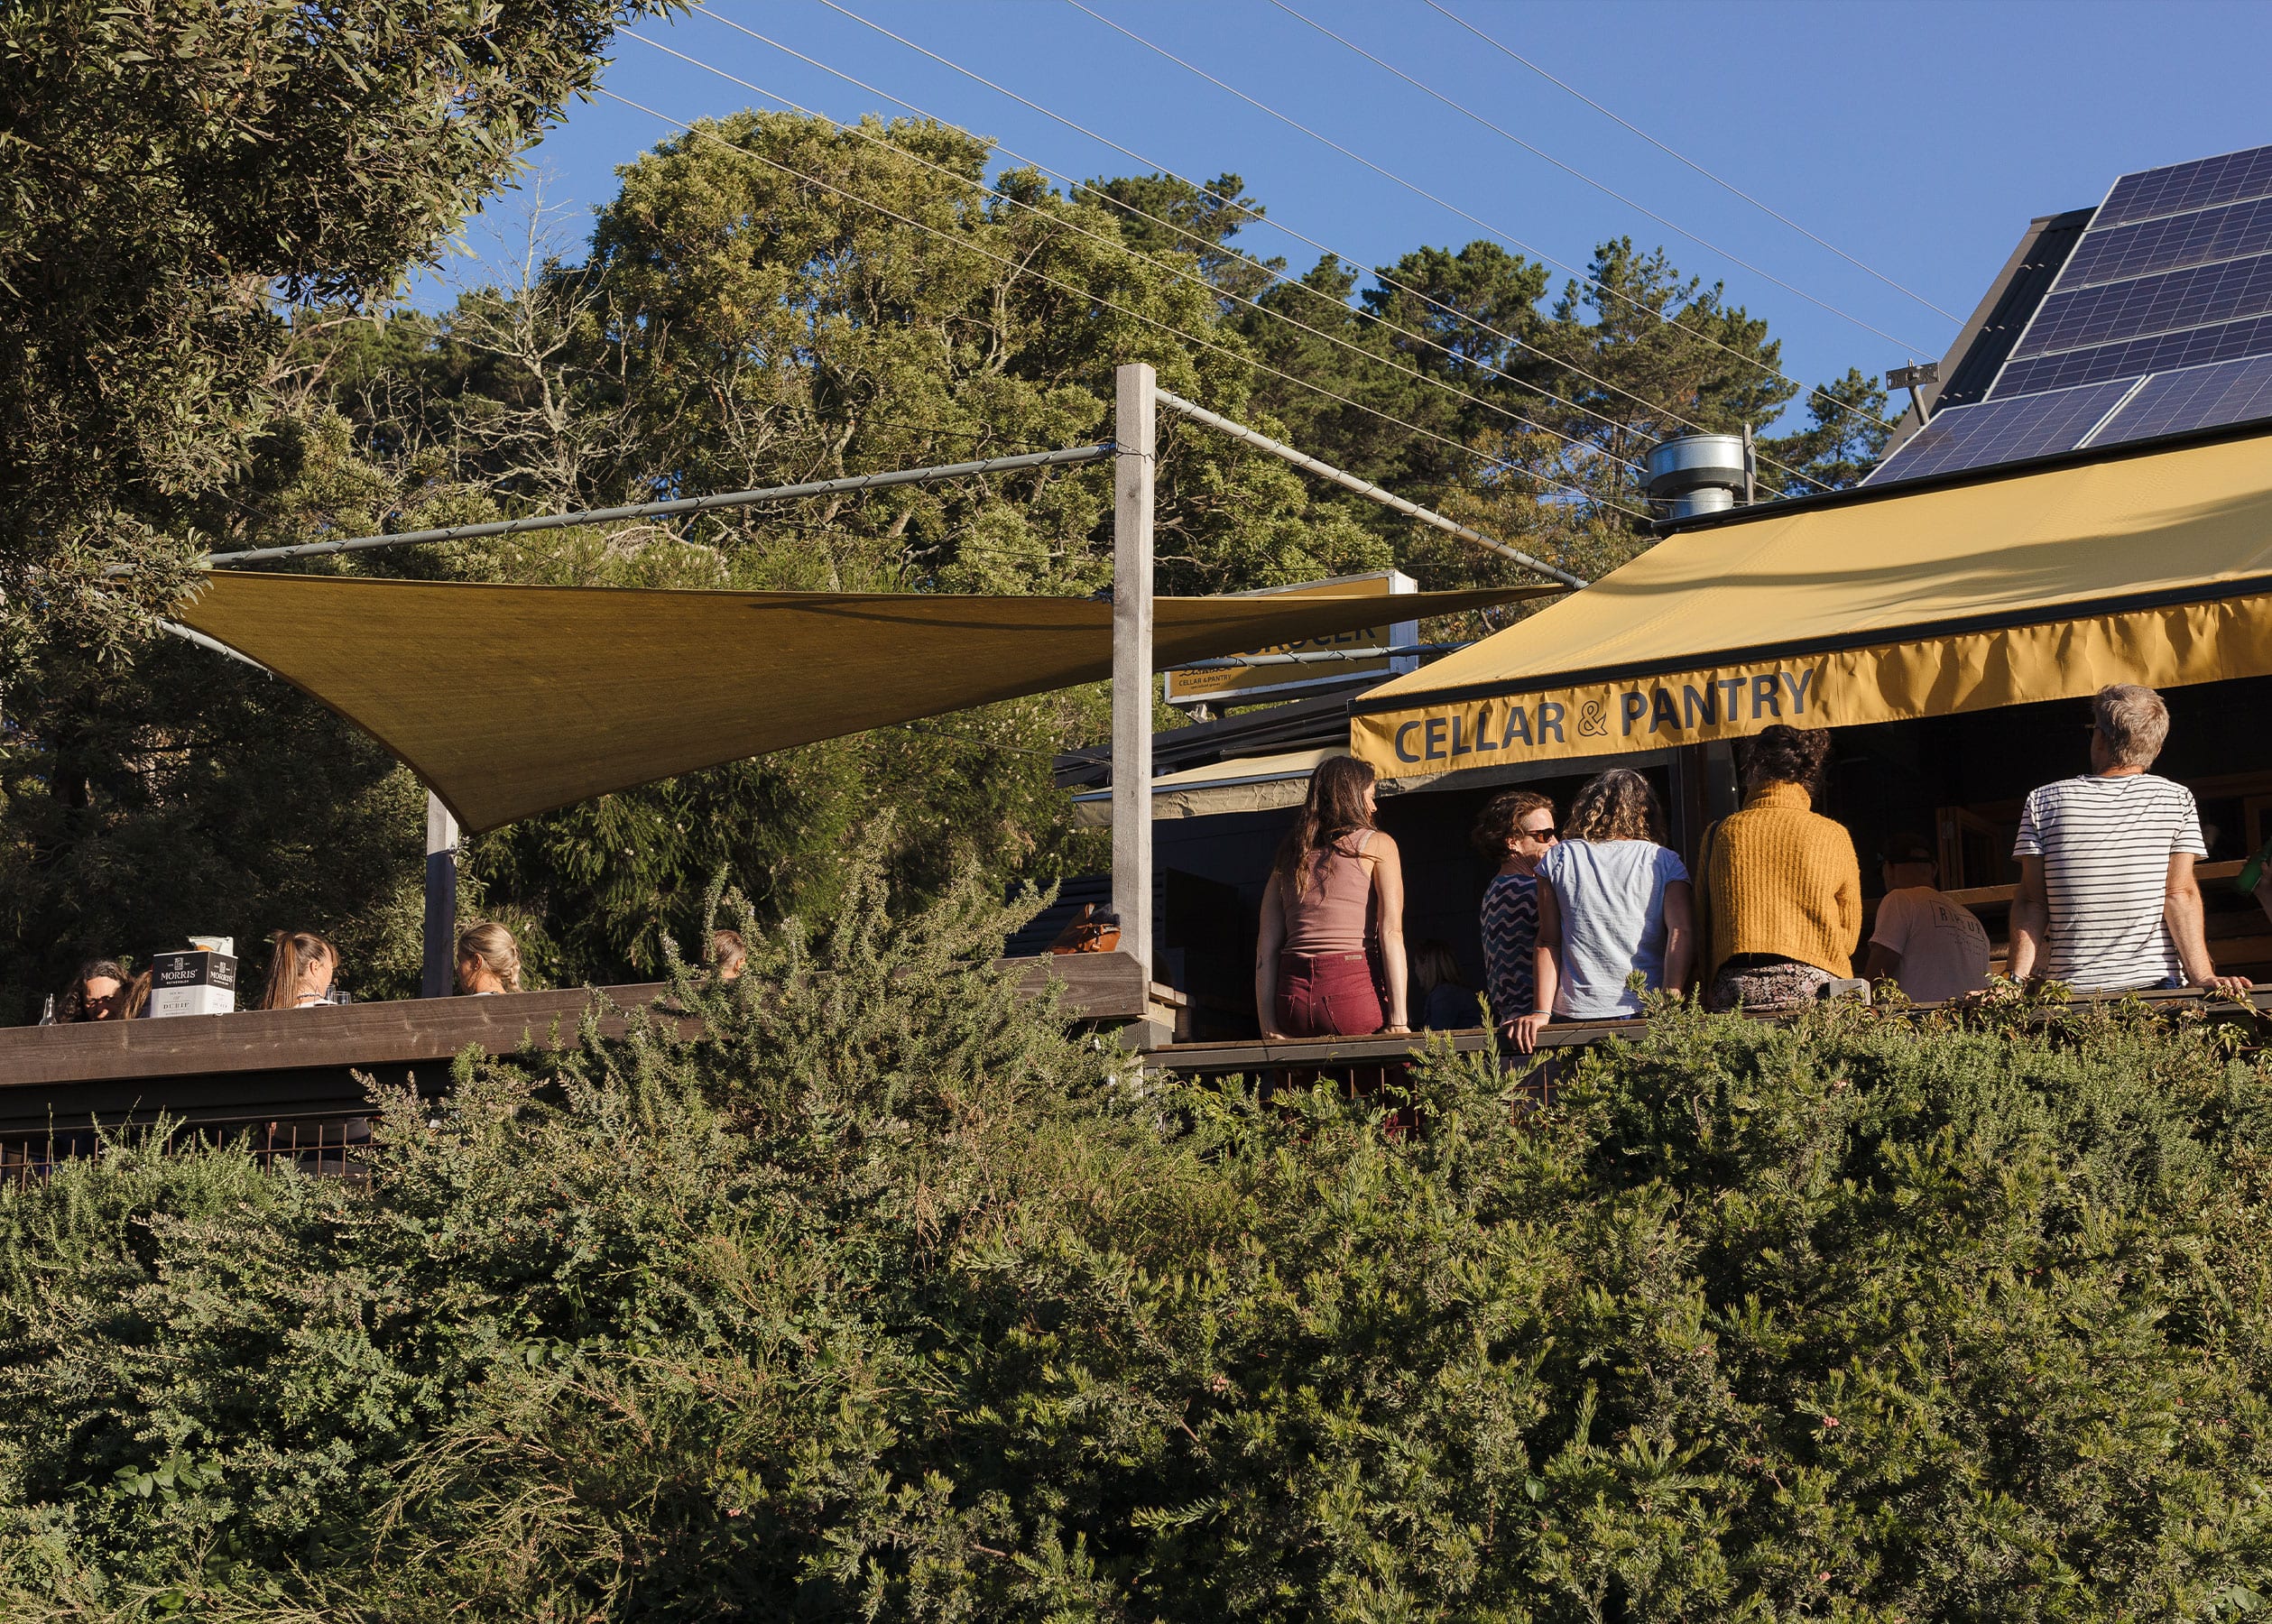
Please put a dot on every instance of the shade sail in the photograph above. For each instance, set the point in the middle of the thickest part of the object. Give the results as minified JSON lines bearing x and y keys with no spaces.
{"x":512,"y":700}
{"x":2155,"y":568}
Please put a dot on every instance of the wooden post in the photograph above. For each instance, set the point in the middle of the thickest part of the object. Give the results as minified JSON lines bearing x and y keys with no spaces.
{"x":1135,"y":435}
{"x":442,"y":900}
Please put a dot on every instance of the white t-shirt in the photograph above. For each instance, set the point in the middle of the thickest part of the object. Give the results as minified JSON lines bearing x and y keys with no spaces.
{"x":1943,"y":949}
{"x":2106,"y":845}
{"x":1613,"y":897}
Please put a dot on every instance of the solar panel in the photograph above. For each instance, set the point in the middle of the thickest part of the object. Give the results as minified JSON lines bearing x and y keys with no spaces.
{"x":1996,"y":431}
{"x":2169,"y":244}
{"x":2163,"y":308}
{"x":2135,"y":358}
{"x":2200,"y":397}
{"x":2183,"y":188}
{"x":2145,"y":306}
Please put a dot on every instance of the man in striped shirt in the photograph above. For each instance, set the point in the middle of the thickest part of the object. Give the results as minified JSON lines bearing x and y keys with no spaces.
{"x":2107,"y":901}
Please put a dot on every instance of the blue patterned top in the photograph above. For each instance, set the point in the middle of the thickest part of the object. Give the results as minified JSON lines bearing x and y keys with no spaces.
{"x":1510,"y":934}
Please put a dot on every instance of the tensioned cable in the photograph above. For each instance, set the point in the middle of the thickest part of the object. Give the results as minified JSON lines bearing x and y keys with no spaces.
{"x":1114,"y":203}
{"x":1607,"y":192}
{"x":1421,"y":192}
{"x":1770,"y":210}
{"x":1273,"y":224}
{"x":1091,"y":296}
{"x":1120,"y":245}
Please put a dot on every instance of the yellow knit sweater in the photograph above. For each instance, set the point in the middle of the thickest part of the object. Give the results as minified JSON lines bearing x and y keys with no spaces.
{"x":1782,"y":879}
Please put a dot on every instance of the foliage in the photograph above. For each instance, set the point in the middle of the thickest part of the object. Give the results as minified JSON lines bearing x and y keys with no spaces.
{"x":884,"y":1297}
{"x":174,"y":173}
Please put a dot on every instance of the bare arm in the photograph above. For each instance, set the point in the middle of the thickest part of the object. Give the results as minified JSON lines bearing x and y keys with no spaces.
{"x":1547,"y":965}
{"x":2183,"y":913}
{"x":1267,"y":943}
{"x":2030,"y":920}
{"x":1388,"y":887}
{"x":1680,"y":934}
{"x":1883,"y":964}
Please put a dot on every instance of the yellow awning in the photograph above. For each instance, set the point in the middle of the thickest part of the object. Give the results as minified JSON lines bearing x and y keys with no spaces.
{"x":512,"y":700}
{"x":1879,"y":606}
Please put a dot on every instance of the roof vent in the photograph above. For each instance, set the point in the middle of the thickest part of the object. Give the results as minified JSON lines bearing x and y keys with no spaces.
{"x":1699,"y":474}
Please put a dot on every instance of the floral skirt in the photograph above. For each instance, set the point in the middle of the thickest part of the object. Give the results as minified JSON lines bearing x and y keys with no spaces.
{"x":1756,"y":982}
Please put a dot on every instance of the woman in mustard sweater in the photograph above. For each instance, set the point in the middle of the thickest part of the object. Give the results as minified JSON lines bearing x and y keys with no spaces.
{"x":1783,"y":887}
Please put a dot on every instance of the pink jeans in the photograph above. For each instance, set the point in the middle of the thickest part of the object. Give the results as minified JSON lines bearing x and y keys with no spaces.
{"x":1328,"y":995}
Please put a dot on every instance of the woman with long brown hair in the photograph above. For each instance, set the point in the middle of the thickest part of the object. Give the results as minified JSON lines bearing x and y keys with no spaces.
{"x":1330,"y":961}
{"x":299,"y":971}
{"x":1613,"y":900}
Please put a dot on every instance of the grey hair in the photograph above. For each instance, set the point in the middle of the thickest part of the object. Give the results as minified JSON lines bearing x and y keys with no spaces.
{"x":2133,"y":720}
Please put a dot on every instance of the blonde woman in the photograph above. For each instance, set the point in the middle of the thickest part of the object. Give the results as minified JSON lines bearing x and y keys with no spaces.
{"x":1612,"y":899}
{"x":299,"y":971}
{"x":488,"y":961}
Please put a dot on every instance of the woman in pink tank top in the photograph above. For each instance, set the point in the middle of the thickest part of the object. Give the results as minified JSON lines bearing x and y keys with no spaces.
{"x":1330,"y":961}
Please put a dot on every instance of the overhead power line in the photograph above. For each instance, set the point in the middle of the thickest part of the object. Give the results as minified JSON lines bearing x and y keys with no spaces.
{"x":1606,"y":190}
{"x":1729,"y":186}
{"x":1265,"y":221}
{"x":1384,"y":278}
{"x":1091,"y":296}
{"x":1504,"y":236}
{"x":1119,"y":245}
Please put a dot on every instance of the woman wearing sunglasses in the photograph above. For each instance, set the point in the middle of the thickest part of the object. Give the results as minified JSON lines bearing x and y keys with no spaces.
{"x":1515,"y":830}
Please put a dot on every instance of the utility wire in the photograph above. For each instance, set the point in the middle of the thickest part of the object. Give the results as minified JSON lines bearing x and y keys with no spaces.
{"x":1421,"y":192}
{"x":1113,"y":203}
{"x":1273,"y":224}
{"x":1119,"y":245}
{"x":1089,"y":295}
{"x":1607,"y":192}
{"x":1729,"y":186}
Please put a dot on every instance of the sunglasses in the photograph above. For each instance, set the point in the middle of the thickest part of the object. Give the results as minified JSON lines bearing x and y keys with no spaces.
{"x":1549,"y":833}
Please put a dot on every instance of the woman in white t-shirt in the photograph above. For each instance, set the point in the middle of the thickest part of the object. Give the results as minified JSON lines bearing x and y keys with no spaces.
{"x":1612,"y":899}
{"x":1928,"y":945}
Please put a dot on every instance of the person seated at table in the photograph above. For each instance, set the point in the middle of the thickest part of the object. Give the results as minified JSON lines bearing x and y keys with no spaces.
{"x":728,"y":955}
{"x":2107,"y":901}
{"x":488,"y":960}
{"x":1329,"y":960}
{"x":1515,"y":829}
{"x":95,"y":992}
{"x":1926,"y":943}
{"x":1782,"y":890}
{"x":1613,"y":900}
{"x":299,"y":971}
{"x":1447,"y":1003}
{"x":135,"y":1002}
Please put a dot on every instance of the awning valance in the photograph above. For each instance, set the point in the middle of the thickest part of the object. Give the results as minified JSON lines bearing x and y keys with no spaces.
{"x":1877,"y":607}
{"x":512,"y":700}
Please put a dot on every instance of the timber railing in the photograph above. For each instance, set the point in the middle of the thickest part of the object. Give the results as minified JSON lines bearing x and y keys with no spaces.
{"x":294,"y":1083}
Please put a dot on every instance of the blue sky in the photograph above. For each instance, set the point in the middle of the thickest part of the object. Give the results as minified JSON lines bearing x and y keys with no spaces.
{"x":1919,"y":138}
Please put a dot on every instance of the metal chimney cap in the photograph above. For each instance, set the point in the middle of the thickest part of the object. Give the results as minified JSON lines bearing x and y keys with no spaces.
{"x":1695,"y":462}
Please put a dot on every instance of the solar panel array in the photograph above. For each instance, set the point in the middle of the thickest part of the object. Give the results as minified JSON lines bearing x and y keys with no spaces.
{"x":2159,"y":322}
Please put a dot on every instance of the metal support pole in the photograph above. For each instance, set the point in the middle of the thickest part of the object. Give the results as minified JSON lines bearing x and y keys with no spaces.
{"x":1364,"y":487}
{"x":442,"y":900}
{"x":1135,"y":435}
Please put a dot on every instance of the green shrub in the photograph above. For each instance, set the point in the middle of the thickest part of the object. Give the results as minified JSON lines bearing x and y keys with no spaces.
{"x":885,"y":1297}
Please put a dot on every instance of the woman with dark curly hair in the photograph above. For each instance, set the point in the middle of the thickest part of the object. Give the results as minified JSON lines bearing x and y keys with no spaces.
{"x":1782,"y":884}
{"x":1613,"y":900}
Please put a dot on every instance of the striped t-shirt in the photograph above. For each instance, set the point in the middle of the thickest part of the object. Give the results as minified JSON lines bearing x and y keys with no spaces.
{"x":1510,"y":937}
{"x":2106,"y":845}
